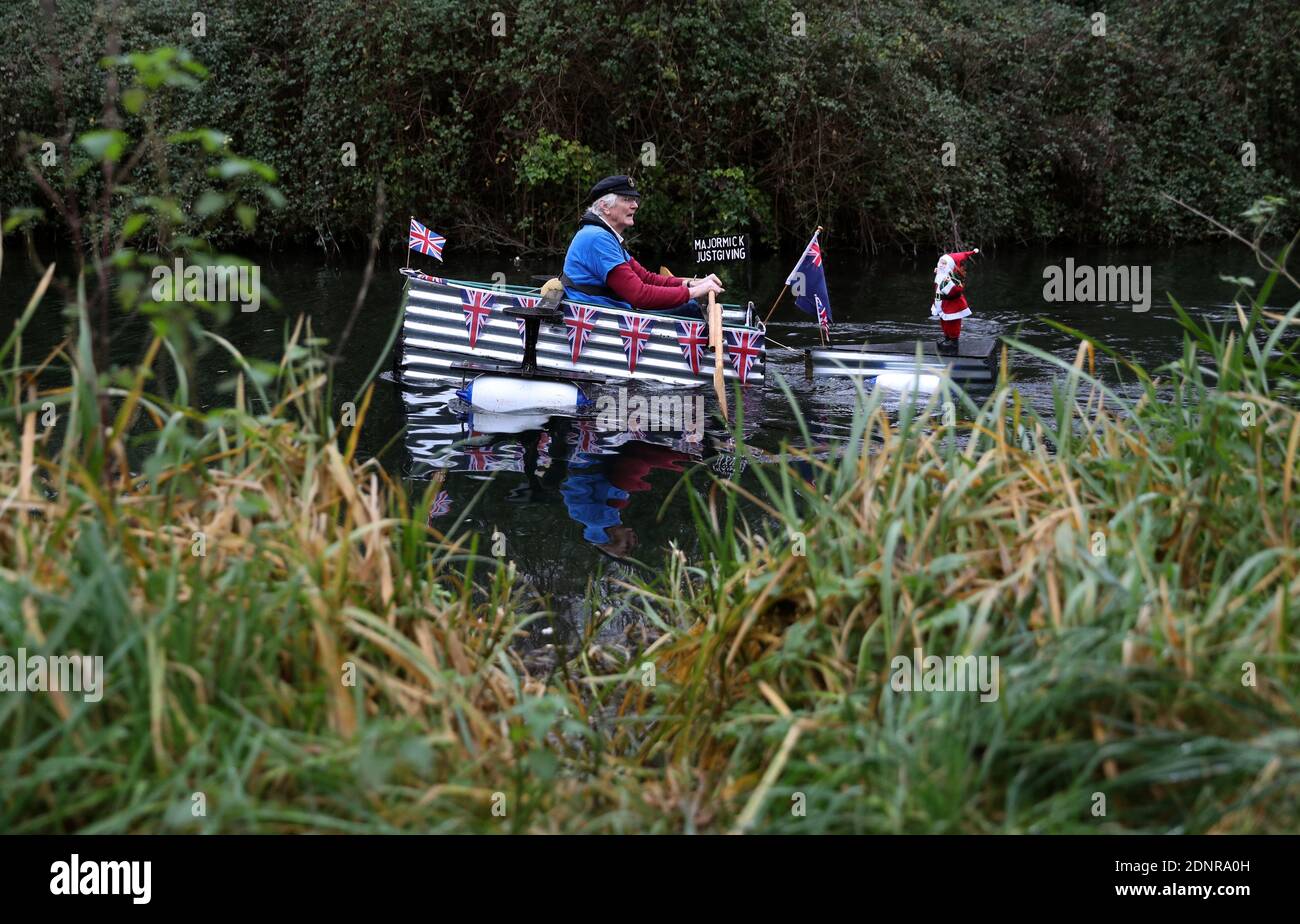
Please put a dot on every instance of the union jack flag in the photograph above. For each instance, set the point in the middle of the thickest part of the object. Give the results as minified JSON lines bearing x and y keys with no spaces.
{"x":690,"y":334}
{"x":441,"y":505}
{"x":581,"y":321}
{"x":744,"y":347}
{"x":422,"y":240}
{"x":635,"y":332}
{"x":477,"y":306}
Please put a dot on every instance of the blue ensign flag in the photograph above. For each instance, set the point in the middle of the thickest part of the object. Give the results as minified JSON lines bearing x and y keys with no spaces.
{"x":808,"y":282}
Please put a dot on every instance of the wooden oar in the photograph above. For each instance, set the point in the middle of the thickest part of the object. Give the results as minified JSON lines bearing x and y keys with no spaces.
{"x":715,"y":341}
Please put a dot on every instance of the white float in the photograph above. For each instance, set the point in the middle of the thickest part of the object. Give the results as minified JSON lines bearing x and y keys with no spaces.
{"x":907,"y":382}
{"x":498,"y":394}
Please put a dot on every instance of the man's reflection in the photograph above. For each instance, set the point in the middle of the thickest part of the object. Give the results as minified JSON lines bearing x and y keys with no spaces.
{"x":599,"y":488}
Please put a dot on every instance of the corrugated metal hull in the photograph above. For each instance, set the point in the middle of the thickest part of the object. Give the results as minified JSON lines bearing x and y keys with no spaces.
{"x":435,"y":337}
{"x":865,"y":364}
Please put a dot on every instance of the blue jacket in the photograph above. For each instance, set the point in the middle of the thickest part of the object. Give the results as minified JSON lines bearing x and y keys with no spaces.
{"x":593,"y":252}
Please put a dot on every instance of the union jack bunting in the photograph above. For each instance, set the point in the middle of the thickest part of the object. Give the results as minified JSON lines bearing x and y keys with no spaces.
{"x":422,"y":240}
{"x":581,"y":321}
{"x":477,"y":306}
{"x":524,"y":301}
{"x":416,"y":274}
{"x":588,"y":439}
{"x":480,"y":457}
{"x":441,"y":505}
{"x":635,"y":332}
{"x":691,"y":335}
{"x":744,"y":347}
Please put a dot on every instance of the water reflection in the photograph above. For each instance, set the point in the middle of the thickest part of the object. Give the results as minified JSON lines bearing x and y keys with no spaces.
{"x":599,"y":487}
{"x":580,"y":507}
{"x":589,"y":473}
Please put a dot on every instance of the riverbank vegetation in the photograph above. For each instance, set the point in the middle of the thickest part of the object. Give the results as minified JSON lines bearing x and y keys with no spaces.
{"x":288,"y":646}
{"x":491,"y":121}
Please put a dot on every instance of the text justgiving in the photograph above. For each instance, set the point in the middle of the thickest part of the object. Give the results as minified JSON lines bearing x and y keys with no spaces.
{"x":714,"y":249}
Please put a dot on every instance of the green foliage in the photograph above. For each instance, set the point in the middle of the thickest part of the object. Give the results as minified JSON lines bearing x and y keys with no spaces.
{"x":133,"y":195}
{"x":551,"y":161}
{"x":1057,"y":132}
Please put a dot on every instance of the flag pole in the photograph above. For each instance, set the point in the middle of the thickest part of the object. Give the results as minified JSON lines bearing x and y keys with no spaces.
{"x":408,"y":242}
{"x":781,"y":294}
{"x":775,"y":303}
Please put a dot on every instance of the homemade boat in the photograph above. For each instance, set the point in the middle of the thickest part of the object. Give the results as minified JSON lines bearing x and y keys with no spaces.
{"x":527,"y":350}
{"x":517,"y":350}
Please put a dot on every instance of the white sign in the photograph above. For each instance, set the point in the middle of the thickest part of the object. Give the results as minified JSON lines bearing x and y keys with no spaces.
{"x":725,"y":249}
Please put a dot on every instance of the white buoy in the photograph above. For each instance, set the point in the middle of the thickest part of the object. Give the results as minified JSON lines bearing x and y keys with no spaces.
{"x":498,"y":394}
{"x":905,"y":382}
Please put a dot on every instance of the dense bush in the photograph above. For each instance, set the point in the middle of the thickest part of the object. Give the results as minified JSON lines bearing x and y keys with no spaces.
{"x":1059,"y":132}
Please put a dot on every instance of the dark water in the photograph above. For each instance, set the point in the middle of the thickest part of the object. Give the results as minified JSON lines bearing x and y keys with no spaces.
{"x":574,"y":507}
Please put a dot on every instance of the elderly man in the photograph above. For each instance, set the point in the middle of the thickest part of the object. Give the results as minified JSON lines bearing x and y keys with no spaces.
{"x":598,"y":268}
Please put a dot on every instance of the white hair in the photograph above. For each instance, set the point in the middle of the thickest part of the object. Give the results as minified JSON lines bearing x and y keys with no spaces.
{"x":599,"y":207}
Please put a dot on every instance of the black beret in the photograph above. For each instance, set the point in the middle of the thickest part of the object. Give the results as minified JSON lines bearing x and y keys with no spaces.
{"x":619,"y":185}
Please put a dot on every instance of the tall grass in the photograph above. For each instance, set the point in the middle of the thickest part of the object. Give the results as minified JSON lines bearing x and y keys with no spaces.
{"x":236,"y":570}
{"x":1124,"y":560}
{"x":1135,"y":581}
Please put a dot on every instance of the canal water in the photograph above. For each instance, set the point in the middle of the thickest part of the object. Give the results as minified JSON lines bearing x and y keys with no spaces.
{"x":576,"y":508}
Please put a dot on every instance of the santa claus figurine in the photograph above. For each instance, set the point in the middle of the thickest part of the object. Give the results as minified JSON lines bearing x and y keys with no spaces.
{"x":950,"y":296}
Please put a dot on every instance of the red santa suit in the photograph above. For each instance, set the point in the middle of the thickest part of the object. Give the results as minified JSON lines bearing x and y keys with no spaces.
{"x":950,"y":292}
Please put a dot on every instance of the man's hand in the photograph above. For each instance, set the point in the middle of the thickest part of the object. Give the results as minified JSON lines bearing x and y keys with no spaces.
{"x":700,"y":287}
